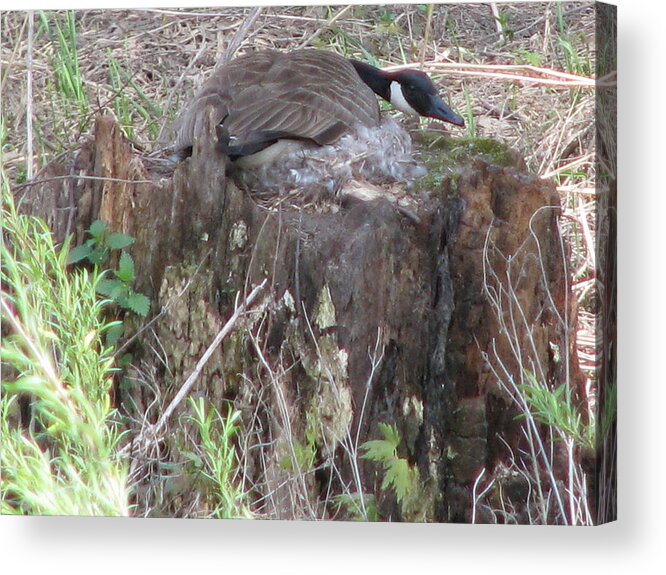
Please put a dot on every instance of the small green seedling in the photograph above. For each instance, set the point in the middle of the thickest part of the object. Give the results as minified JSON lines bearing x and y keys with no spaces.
{"x":399,"y":475}
{"x":97,"y":251}
{"x":120,"y":290}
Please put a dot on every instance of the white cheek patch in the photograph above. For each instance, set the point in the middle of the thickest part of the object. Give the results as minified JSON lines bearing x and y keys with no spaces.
{"x":398,"y":99}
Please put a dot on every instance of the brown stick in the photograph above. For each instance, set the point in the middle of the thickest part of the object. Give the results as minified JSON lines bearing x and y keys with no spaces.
{"x":184,"y":390}
{"x":149,"y":433}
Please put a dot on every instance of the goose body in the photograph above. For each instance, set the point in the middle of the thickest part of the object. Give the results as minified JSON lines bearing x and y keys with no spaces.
{"x":309,"y":117}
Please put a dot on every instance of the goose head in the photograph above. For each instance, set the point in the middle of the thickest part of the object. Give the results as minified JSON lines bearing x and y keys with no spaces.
{"x":410,"y":91}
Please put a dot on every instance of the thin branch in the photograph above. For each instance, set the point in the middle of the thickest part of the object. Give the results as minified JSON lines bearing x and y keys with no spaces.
{"x":28,"y":65}
{"x":75,"y":176}
{"x":241,"y":33}
{"x":224,"y":332}
{"x":537,"y":75}
{"x":477,"y":498}
{"x":189,"y":14}
{"x":151,"y":432}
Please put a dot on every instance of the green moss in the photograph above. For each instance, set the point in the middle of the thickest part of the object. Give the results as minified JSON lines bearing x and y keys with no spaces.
{"x":457,"y":151}
{"x":446,"y":157}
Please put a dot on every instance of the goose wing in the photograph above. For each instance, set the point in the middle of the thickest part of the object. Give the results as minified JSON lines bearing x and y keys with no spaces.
{"x":217,"y":94}
{"x":259,"y":98}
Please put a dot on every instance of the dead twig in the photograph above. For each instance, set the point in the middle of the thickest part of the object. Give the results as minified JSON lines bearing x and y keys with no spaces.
{"x":79,"y":177}
{"x":185,"y":389}
{"x":149,"y":434}
{"x":531,"y":74}
{"x":31,"y":33}
{"x":241,"y":33}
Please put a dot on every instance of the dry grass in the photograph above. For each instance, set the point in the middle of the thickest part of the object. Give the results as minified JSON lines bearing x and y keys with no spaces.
{"x":551,"y":431}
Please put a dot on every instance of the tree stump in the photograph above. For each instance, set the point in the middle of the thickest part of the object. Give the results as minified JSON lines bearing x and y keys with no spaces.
{"x":369,"y":317}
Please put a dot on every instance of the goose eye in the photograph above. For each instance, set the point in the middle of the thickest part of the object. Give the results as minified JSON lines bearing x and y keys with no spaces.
{"x":408,"y":90}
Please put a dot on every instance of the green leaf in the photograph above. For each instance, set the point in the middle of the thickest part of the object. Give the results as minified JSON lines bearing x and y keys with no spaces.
{"x":527,"y":57}
{"x":138,"y":303}
{"x":99,"y":255}
{"x":378,"y":450}
{"x":113,"y":289}
{"x":398,"y":476}
{"x":97,"y":229}
{"x":114,"y":333}
{"x":390,"y":434}
{"x":383,"y":450}
{"x":78,"y":253}
{"x":125,"y":270}
{"x":118,"y":241}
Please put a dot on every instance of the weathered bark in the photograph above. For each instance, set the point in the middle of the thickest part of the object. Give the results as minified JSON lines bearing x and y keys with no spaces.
{"x":370,"y":317}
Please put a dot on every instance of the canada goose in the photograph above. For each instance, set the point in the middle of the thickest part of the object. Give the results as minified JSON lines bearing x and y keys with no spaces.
{"x":310,"y":104}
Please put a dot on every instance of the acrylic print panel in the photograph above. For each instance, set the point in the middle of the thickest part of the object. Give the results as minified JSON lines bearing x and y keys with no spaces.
{"x":413,"y":321}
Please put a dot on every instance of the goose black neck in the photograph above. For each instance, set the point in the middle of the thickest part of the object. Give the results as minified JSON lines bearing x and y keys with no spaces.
{"x":378,"y":81}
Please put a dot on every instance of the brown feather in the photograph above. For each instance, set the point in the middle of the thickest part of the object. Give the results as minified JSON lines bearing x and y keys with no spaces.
{"x":309,"y":94}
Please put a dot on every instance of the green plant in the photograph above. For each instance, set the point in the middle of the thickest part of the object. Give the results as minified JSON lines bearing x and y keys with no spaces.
{"x":558,"y":426}
{"x":506,"y":30}
{"x":399,"y":476}
{"x":386,"y":23}
{"x":528,"y":57}
{"x":454,"y":37}
{"x":120,"y":290}
{"x":555,"y":408}
{"x":573,"y":62}
{"x":129,"y":110}
{"x":216,"y":459}
{"x":65,"y":63}
{"x":470,"y":121}
{"x":121,"y":102}
{"x":302,"y":458}
{"x":97,"y":251}
{"x":59,"y":432}
{"x":367,"y":510}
